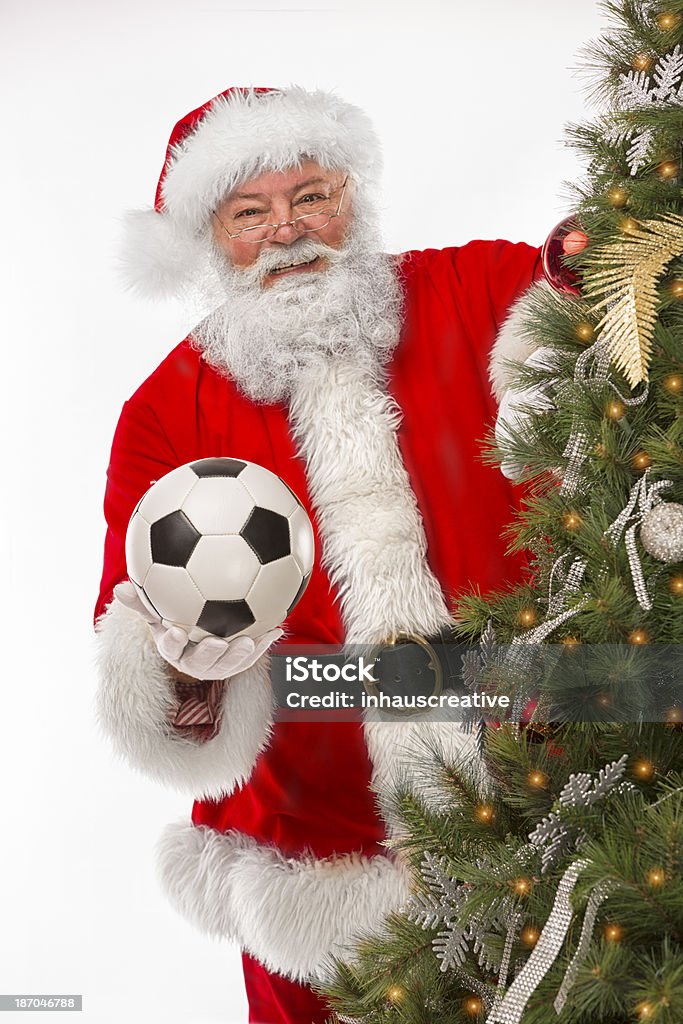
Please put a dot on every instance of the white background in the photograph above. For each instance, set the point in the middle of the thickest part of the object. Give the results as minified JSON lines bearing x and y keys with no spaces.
{"x":470,"y":100}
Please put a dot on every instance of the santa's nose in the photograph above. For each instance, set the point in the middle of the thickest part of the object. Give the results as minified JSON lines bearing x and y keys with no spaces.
{"x":285,"y":232}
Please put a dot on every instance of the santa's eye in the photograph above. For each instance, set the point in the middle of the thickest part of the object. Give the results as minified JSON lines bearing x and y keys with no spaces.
{"x":249,"y":212}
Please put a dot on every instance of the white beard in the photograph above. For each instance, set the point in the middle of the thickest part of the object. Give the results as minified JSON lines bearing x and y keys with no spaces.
{"x":269,"y":340}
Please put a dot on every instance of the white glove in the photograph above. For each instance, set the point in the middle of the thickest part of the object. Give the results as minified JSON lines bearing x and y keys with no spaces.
{"x":212,"y":658}
{"x":518,"y":405}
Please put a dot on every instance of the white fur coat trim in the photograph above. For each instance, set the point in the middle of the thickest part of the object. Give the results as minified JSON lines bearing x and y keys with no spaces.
{"x":514,"y":342}
{"x":289,"y":914}
{"x":133,"y":702}
{"x":374,"y":548}
{"x":373,"y":541}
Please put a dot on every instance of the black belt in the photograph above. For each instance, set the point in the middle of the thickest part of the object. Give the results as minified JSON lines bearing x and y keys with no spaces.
{"x":412,"y":665}
{"x":406,"y":666}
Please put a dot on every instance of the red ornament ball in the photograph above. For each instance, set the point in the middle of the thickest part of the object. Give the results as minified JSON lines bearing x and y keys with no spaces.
{"x":564,"y":240}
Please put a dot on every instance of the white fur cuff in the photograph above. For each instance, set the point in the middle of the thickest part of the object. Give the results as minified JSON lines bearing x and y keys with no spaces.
{"x":289,"y":914}
{"x":513,"y":343}
{"x":135,"y":697}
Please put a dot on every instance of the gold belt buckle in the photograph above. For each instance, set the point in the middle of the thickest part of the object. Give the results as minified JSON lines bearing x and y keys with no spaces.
{"x":401,"y":636}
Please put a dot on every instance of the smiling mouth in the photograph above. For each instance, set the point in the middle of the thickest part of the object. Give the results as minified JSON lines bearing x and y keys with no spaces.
{"x":290,"y":267}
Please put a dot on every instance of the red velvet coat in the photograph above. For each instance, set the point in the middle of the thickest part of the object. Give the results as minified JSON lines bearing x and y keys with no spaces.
{"x":308,"y":794}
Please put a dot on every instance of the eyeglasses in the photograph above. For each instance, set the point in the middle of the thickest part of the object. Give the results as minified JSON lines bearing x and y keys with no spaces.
{"x":319,"y":215}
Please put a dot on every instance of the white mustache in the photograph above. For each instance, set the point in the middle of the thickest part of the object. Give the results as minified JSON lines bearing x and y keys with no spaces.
{"x":303,"y":250}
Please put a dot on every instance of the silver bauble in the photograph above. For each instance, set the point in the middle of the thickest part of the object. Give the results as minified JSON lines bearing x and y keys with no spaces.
{"x":661,"y":532}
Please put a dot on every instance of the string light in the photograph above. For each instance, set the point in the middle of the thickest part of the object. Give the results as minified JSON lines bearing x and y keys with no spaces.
{"x":484,"y":813}
{"x":673,"y":383}
{"x":628,"y":225}
{"x":676,"y":288}
{"x":473,"y":1005}
{"x":537,"y":779}
{"x":668,"y":169}
{"x":530,"y":935}
{"x":584,"y":331}
{"x":641,"y":460}
{"x":527,"y":616}
{"x":674,"y":716}
{"x":638,"y":637}
{"x":676,"y":585}
{"x":613,"y":932}
{"x":572,"y":521}
{"x":395,"y":993}
{"x":643,"y":769}
{"x":641,"y":62}
{"x":617,"y":196}
{"x":668,"y":20}
{"x":656,"y":877}
{"x":644,"y":1010}
{"x":522,"y":886}
{"x":570,"y":641}
{"x":615,"y":409}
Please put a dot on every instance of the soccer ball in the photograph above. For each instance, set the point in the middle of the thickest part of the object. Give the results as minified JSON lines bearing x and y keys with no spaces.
{"x":220,"y":547}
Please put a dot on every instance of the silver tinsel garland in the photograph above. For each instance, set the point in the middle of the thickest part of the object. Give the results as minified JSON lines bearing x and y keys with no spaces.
{"x":644,"y":501}
{"x":563,"y":584}
{"x":544,"y":953}
{"x":591,"y":369}
{"x":595,"y":900}
{"x":591,"y":372}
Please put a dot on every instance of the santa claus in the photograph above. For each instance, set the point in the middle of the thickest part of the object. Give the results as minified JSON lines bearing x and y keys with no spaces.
{"x":366,"y":381}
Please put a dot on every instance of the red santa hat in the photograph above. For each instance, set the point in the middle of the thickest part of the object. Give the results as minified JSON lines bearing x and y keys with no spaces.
{"x":232,"y":137}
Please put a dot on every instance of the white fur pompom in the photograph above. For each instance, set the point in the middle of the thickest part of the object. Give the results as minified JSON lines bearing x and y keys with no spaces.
{"x":158,"y":258}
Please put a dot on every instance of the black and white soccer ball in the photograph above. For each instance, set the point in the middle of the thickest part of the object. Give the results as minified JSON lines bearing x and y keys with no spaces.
{"x":220,"y":547}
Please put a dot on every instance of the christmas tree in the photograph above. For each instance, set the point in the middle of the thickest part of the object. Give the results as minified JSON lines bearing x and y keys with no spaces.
{"x":549,"y":887}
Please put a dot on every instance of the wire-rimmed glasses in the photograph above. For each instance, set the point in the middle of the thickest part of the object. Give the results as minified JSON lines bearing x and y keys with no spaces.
{"x":319,"y":216}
